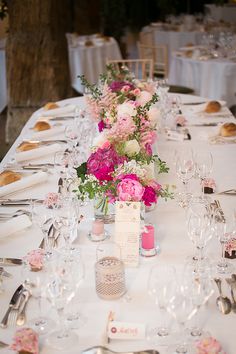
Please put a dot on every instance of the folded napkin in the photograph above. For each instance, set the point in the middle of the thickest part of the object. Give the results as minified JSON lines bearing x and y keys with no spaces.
{"x":36,"y":153}
{"x":23,"y":183}
{"x":15,"y":224}
{"x":47,"y":133}
{"x":57,"y":111}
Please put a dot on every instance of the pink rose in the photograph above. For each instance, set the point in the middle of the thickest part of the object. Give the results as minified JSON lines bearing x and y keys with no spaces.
{"x":51,"y":200}
{"x":181,"y":120}
{"x":130,"y":190}
{"x":148,"y":149}
{"x":149,"y":196}
{"x":125,"y":88}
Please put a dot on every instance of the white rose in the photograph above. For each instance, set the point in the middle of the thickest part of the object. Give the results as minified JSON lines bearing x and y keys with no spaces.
{"x":144,"y":97}
{"x":131,"y":147}
{"x":126,"y":108}
{"x":154,"y":115}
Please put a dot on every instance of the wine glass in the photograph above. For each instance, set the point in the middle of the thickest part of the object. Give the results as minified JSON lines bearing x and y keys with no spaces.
{"x":61,"y":288}
{"x":203,"y":164}
{"x":182,"y":308}
{"x":42,"y":216}
{"x":66,"y":215}
{"x":161,"y":284}
{"x":225,"y":231}
{"x":200,"y":231}
{"x":34,"y":282}
{"x":185,"y":170}
{"x":62,"y":165}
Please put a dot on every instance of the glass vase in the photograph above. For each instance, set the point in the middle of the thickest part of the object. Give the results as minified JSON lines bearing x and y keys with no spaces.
{"x":103,"y":210}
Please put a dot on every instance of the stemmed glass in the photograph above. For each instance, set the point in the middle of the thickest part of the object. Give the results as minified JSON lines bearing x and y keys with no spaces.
{"x":66,"y":215}
{"x":200,"y":231}
{"x":62,"y":164}
{"x":185,"y":169}
{"x":34,"y":283}
{"x":61,"y":288}
{"x":42,"y":216}
{"x":161,"y":284}
{"x":182,"y":307}
{"x":225,"y":231}
{"x":72,"y":135}
{"x":204,"y":164}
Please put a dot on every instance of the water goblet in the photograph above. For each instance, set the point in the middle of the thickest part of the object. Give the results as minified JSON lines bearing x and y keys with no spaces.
{"x":203,"y":164}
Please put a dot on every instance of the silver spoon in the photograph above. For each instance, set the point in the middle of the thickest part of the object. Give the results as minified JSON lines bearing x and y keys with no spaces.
{"x":223,"y":303}
{"x":233,"y":303}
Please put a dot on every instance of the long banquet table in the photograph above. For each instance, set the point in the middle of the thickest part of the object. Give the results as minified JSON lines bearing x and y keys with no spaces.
{"x":169,"y":220}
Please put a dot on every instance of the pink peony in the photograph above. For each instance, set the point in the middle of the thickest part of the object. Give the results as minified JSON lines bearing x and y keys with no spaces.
{"x":102,"y":163}
{"x":130,"y":176}
{"x":125,"y":88}
{"x":117,"y":86}
{"x":136,"y":92}
{"x":130,"y":190}
{"x":101,"y":126}
{"x":148,"y":149}
{"x":149,"y":196}
{"x":25,"y":340}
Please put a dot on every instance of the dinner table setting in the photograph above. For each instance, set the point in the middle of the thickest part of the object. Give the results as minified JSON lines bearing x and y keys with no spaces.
{"x":118,"y":224}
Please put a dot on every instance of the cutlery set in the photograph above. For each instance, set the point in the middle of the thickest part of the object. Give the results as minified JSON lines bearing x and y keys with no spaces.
{"x":224,"y":304}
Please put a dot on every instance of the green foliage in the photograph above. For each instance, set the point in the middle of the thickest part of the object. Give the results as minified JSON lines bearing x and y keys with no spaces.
{"x":92,"y":89}
{"x":81,"y":171}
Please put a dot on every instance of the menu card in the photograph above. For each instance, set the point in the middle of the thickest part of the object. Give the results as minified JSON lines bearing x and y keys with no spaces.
{"x":127,"y":231}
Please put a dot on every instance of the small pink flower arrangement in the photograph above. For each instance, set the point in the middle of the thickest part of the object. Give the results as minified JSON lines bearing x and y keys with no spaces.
{"x":25,"y":341}
{"x":180,"y":120}
{"x":51,"y":200}
{"x":35,"y":259}
{"x":209,"y":345}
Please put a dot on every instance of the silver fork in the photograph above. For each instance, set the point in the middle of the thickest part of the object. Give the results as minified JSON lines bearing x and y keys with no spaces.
{"x":14,"y":312}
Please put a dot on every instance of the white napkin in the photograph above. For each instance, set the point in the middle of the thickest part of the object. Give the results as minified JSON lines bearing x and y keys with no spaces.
{"x":38,"y":152}
{"x":58,"y":111}
{"x":23,"y":183}
{"x":47,"y":133}
{"x":15,"y":224}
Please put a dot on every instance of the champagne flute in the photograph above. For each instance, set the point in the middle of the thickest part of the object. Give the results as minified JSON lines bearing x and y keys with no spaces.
{"x":185,"y":170}
{"x":203,"y":164}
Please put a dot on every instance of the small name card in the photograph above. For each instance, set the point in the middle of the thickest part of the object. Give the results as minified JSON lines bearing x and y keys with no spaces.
{"x":127,"y":231}
{"x":126,"y":330}
{"x":172,"y":135}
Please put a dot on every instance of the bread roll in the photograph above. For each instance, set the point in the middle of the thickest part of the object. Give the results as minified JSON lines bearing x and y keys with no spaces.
{"x":228,"y":129}
{"x":25,"y":146}
{"x":41,"y":125}
{"x":213,"y":107}
{"x":7,"y":177}
{"x":50,"y":105}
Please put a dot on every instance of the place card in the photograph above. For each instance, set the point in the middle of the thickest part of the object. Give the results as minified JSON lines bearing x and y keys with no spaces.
{"x":175,"y":136}
{"x":127,"y":231}
{"x":126,"y":330}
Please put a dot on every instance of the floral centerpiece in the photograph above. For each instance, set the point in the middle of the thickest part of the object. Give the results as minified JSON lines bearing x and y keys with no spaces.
{"x":122,"y":165}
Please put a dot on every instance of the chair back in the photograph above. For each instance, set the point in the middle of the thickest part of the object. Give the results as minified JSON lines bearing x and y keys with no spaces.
{"x":141,"y":68}
{"x":146,"y":37}
{"x":159,"y":55}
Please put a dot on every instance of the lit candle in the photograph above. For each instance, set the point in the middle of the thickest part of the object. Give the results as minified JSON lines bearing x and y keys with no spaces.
{"x":148,"y":240}
{"x":98,"y":227}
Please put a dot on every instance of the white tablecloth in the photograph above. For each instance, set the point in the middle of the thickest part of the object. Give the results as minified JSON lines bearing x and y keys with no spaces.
{"x":90,"y":60}
{"x":3,"y":79}
{"x":215,"y":79}
{"x":174,"y":39}
{"x":169,"y":220}
{"x":219,"y":13}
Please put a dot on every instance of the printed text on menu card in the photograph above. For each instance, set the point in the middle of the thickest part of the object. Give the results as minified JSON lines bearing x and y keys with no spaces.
{"x":127,"y":231}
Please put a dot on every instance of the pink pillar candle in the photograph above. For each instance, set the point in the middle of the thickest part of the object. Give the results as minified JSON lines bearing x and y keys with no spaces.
{"x":148,"y":240}
{"x":98,"y":227}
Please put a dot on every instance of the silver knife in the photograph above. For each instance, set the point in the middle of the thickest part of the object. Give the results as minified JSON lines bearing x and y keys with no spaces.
{"x":13,"y":302}
{"x":10,"y":261}
{"x":204,"y":125}
{"x":192,"y":103}
{"x":14,"y":202}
